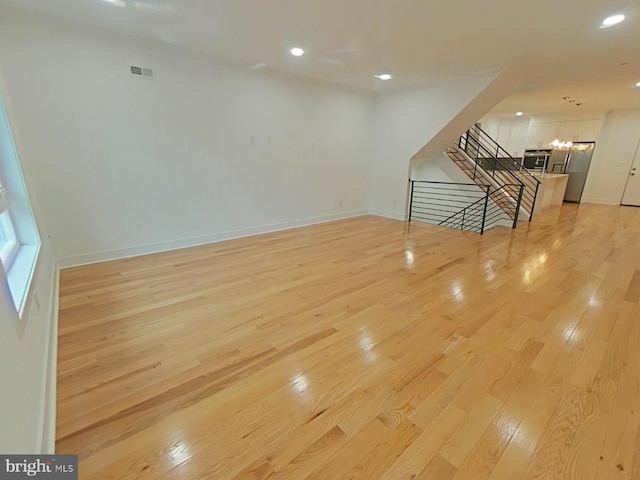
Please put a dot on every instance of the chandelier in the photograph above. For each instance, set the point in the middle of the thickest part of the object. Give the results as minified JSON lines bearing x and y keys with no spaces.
{"x":561,"y":144}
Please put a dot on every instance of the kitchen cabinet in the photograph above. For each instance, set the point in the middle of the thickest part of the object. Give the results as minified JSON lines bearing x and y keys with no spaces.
{"x":551,"y":131}
{"x":541,"y":135}
{"x":517,"y":140}
{"x":588,"y":131}
{"x":504,"y":134}
{"x":534,"y":139}
{"x":551,"y":190}
{"x":492,"y":130}
{"x":522,"y":141}
{"x":581,"y":131}
{"x":512,"y":139}
{"x":568,"y":131}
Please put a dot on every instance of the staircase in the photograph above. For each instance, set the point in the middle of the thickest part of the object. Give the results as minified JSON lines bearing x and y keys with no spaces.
{"x":507,"y":196}
{"x":501,"y":193}
{"x":481,"y":157}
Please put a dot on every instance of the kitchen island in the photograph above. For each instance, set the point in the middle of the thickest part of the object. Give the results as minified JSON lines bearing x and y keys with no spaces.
{"x":551,"y":190}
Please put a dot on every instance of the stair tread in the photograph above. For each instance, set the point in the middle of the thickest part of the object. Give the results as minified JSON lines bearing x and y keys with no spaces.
{"x":505,"y":199}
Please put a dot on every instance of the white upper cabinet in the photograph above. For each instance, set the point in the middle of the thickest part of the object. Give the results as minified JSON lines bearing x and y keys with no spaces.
{"x":551,"y":131}
{"x":581,"y":131}
{"x":541,"y":135}
{"x":568,"y":131}
{"x":492,"y":130}
{"x":517,"y":140}
{"x":511,"y":138}
{"x":534,"y":139}
{"x":504,"y":134}
{"x":587,"y":131}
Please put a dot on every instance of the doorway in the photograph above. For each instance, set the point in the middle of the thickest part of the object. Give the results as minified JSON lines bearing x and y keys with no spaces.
{"x":632,"y":190}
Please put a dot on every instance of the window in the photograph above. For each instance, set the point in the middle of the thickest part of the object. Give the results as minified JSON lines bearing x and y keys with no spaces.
{"x":19,"y":239}
{"x":8,"y":240}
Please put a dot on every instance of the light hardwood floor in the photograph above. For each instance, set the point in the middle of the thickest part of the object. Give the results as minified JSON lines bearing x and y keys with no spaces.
{"x":361,"y":349}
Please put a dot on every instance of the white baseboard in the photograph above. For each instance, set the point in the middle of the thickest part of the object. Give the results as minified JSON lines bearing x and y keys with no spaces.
{"x":600,"y":201}
{"x":48,"y":401}
{"x":77,"y":260}
{"x":388,"y":214}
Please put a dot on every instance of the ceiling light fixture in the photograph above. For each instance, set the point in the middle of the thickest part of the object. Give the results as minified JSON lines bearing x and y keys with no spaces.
{"x":152,"y":7}
{"x":571,"y":101}
{"x":519,"y":114}
{"x":297,"y":52}
{"x":612,"y":20}
{"x":117,"y":3}
{"x":384,"y":76}
{"x":561,"y":144}
{"x":638,"y":84}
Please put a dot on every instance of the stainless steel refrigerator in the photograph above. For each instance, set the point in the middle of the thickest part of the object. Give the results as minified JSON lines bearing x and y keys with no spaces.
{"x":577,"y":166}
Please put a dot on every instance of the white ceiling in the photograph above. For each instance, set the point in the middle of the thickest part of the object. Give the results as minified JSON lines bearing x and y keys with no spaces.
{"x":556,"y":44}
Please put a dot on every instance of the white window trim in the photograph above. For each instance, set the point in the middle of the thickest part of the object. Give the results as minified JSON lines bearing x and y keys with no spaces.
{"x":20,"y":268}
{"x":20,"y":275}
{"x":10,"y":249}
{"x":4,"y":203}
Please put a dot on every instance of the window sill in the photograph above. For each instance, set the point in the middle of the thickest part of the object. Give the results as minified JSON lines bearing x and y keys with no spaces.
{"x":21,"y":273}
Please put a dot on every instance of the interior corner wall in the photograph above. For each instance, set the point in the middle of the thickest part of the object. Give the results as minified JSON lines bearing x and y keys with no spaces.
{"x":420,"y":124}
{"x":203,"y":152}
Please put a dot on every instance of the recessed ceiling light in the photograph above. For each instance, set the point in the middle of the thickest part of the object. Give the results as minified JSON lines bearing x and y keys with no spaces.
{"x":152,"y":7}
{"x":297,"y":52}
{"x":519,"y":114}
{"x":384,"y":76}
{"x":638,"y":84}
{"x":117,"y":3}
{"x":612,"y":20}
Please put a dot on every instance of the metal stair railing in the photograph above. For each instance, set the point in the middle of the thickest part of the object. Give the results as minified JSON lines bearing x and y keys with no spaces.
{"x":464,"y":206}
{"x":511,"y":193}
{"x":495,"y":160}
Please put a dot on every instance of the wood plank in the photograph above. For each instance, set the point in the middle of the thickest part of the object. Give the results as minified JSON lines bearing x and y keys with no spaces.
{"x":461,"y":443}
{"x":633,"y":290}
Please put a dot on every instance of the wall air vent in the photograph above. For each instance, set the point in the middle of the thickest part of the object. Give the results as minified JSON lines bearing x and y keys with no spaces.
{"x":141,"y":72}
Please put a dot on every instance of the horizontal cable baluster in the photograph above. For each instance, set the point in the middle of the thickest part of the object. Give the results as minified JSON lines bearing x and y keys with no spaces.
{"x":454,"y":205}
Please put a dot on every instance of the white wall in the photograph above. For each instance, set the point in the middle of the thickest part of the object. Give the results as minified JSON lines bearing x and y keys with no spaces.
{"x":513,"y":121}
{"x":420,"y":124}
{"x":438,"y":169}
{"x":27,"y":407}
{"x":203,"y":152}
{"x":612,"y":158}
